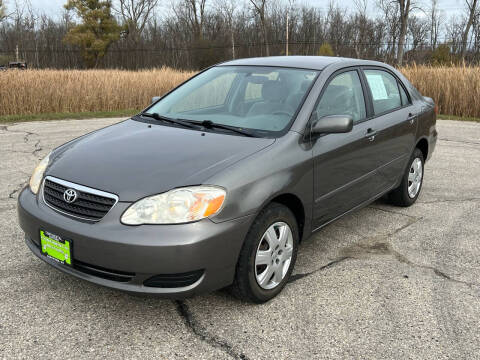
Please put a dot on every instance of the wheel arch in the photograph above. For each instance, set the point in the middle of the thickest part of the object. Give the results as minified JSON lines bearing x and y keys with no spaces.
{"x":422,"y":145}
{"x":296,"y":206}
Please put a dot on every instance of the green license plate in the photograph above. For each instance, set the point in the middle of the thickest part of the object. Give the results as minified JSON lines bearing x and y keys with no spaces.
{"x":56,"y":248}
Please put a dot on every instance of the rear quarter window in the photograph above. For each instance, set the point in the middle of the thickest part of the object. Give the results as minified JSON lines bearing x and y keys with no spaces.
{"x":403,"y":95}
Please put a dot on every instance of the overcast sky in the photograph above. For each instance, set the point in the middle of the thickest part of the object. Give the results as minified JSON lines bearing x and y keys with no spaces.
{"x":450,"y":7}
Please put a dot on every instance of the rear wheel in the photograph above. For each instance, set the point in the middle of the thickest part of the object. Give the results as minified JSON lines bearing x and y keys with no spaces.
{"x":407,"y":193}
{"x":268,"y":255}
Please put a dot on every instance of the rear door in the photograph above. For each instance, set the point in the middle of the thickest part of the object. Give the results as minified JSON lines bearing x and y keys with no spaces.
{"x":344,"y":164}
{"x":394,"y":123}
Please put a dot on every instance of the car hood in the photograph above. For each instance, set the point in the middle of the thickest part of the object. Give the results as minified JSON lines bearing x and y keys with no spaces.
{"x":134,"y":159}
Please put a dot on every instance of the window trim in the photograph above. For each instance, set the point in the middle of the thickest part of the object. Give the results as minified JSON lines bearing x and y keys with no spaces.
{"x":399,"y":83}
{"x":401,"y":87}
{"x":355,"y":68}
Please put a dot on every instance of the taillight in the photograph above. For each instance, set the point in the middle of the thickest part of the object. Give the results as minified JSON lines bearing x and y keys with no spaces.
{"x":435,"y":109}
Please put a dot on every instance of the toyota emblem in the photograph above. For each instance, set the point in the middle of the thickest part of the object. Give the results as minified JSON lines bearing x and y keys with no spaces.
{"x":70,"y":196}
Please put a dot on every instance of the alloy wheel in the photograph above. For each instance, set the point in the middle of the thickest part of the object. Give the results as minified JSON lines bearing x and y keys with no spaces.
{"x":274,"y":255}
{"x":415,"y":177}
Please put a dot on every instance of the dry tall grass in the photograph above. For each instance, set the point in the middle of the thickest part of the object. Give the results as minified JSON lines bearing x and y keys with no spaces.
{"x":456,"y":90}
{"x":52,"y":91}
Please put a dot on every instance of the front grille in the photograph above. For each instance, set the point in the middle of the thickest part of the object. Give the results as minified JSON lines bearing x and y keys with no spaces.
{"x":114,"y":275}
{"x":174,"y":280}
{"x":90,"y":204}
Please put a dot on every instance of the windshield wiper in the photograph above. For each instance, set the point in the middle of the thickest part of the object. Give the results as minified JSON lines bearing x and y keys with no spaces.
{"x":212,"y":125}
{"x":192,"y":124}
{"x":157,"y":116}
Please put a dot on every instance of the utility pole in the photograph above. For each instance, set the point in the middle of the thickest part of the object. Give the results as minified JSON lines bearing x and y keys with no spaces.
{"x":286,"y":44}
{"x":16,"y":52}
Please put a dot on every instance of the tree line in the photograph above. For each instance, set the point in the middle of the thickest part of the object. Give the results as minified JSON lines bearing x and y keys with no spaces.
{"x":193,"y":34}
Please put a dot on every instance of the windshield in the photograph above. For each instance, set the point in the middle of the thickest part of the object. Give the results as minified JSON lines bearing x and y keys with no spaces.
{"x":263,"y":99}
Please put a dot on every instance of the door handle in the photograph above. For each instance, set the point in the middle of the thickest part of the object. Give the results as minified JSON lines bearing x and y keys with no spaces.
{"x":411,"y":117}
{"x":371,"y":134}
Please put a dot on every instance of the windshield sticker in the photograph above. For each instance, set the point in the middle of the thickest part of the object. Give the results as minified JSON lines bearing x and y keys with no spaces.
{"x":377,"y":86}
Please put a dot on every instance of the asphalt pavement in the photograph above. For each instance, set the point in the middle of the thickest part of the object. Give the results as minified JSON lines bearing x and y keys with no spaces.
{"x":380,"y":283}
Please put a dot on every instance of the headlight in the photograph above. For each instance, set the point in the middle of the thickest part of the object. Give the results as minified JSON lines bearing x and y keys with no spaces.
{"x":176,"y":206}
{"x":37,"y":175}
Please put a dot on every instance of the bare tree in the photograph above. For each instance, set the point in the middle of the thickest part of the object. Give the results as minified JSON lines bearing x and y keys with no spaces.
{"x":135,"y":14}
{"x":471,"y":11}
{"x":193,"y":12}
{"x":228,"y":8}
{"x":361,"y":23}
{"x":2,"y":11}
{"x":390,"y":14}
{"x":290,"y":20}
{"x":454,"y":33}
{"x":361,"y":7}
{"x":200,"y":33}
{"x":476,"y":33}
{"x":405,"y":7}
{"x":436,"y":20}
{"x":260,"y":9}
{"x":418,"y":29}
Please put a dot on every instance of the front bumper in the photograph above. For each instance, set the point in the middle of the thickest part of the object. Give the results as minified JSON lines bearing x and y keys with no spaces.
{"x":144,"y":251}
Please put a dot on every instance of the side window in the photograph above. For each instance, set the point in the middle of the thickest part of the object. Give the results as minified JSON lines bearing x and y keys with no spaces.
{"x":384,"y":90}
{"x":403,"y":95}
{"x":343,"y":96}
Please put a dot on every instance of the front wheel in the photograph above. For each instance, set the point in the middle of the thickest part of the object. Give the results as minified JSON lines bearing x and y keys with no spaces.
{"x":407,"y":193}
{"x":268,"y":255}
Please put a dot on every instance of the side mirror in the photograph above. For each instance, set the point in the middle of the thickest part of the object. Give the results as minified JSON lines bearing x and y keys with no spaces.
{"x":332,"y":124}
{"x":155,"y":99}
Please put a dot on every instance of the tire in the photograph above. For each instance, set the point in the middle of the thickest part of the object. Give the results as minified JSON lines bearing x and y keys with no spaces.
{"x":404,"y":195}
{"x":252,"y":282}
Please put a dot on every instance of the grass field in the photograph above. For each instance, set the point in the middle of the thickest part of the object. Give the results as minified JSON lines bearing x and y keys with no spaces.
{"x":456,"y":90}
{"x":63,"y":94}
{"x":78,"y":91}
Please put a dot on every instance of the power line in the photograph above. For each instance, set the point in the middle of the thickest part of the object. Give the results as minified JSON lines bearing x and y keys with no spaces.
{"x":237,"y":45}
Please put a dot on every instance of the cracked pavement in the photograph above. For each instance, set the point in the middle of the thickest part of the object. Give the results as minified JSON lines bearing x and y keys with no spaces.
{"x":382,"y":282}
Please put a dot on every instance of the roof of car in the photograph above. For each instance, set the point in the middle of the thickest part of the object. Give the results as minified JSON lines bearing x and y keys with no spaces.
{"x":303,"y":62}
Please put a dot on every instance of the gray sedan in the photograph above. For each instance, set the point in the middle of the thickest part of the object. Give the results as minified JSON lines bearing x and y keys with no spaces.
{"x":217,"y":182}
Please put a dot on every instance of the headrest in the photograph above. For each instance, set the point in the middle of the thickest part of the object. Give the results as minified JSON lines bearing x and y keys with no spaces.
{"x":255,"y":79}
{"x":274,"y":91}
{"x":334,"y":92}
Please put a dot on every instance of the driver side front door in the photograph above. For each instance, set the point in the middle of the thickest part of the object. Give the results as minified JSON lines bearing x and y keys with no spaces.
{"x":344,"y":164}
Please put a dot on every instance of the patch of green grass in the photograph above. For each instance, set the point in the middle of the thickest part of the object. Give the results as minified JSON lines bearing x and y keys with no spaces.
{"x":454,"y":117}
{"x":69,"y":116}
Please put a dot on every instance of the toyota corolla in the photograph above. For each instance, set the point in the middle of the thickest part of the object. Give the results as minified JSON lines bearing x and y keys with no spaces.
{"x":216,"y":183}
